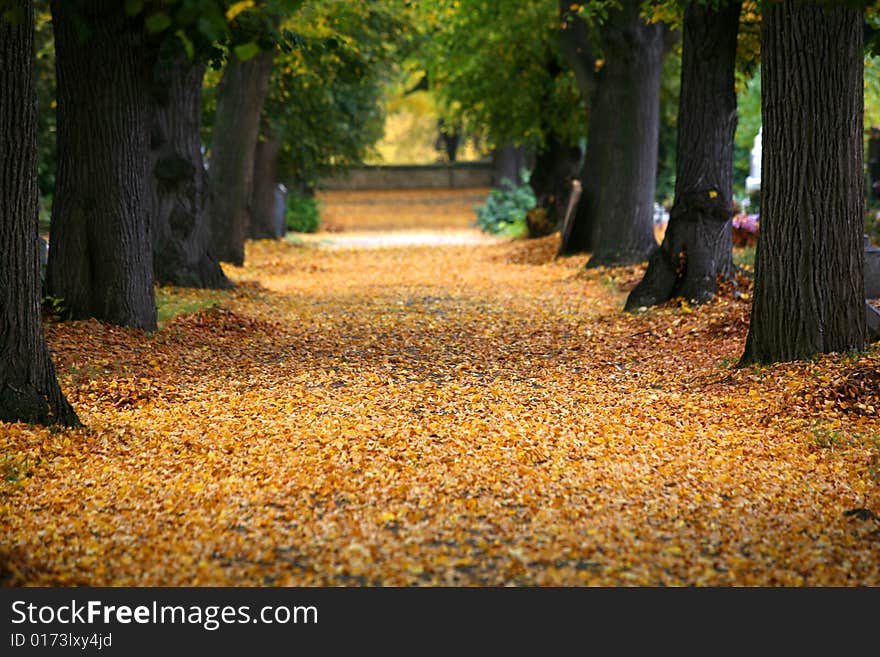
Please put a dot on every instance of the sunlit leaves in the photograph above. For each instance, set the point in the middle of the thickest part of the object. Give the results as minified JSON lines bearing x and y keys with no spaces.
{"x":237,"y":7}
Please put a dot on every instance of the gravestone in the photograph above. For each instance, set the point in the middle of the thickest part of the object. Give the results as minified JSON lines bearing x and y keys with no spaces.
{"x":872,"y":288}
{"x":279,"y":214}
{"x":753,"y":181}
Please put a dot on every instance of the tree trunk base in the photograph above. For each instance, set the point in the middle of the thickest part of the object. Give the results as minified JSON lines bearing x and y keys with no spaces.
{"x":27,"y":403}
{"x":694,"y":256}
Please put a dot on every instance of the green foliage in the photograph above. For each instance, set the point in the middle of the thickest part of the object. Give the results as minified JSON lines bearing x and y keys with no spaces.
{"x":54,"y":309}
{"x":325,"y":101}
{"x":45,"y":82}
{"x":670,"y":84}
{"x":497,"y":69}
{"x":872,"y":91}
{"x":170,"y":304}
{"x":748,"y":102}
{"x":303,"y":213}
{"x":14,"y":467}
{"x":506,"y":207}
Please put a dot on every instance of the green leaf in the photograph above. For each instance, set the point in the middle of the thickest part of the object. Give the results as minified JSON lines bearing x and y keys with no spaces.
{"x":186,"y":42}
{"x":237,"y":7}
{"x":133,"y":7}
{"x":246,"y":50}
{"x":158,"y":22}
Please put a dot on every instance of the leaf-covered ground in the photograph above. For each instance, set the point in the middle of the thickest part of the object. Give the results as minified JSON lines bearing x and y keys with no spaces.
{"x":457,"y":414}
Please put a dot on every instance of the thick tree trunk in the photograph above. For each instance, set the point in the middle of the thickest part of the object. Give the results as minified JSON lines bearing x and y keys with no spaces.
{"x":697,"y":246}
{"x":240,"y":99}
{"x":263,"y":200}
{"x":100,"y":255}
{"x":617,"y":206}
{"x":809,"y":287}
{"x":29,"y":390}
{"x":180,"y":230}
{"x":556,"y":165}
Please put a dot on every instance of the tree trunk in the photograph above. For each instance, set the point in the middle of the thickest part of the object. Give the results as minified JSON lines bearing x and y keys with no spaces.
{"x":556,"y":165}
{"x":100,"y":255}
{"x":180,"y":230}
{"x":263,"y":200}
{"x":507,"y":164}
{"x":29,"y":390}
{"x":240,"y":97}
{"x":615,"y":217}
{"x":809,"y":286}
{"x":697,"y":246}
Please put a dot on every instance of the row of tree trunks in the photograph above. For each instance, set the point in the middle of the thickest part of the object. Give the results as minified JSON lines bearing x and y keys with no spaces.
{"x":180,"y":228}
{"x":240,"y":97}
{"x":697,"y":245}
{"x":29,"y":389}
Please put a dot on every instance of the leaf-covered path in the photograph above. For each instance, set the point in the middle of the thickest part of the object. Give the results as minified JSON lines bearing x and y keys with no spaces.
{"x":455,"y":414}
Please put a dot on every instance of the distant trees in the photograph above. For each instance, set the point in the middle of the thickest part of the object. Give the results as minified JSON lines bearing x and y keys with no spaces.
{"x":325,"y":105}
{"x":498,"y":67}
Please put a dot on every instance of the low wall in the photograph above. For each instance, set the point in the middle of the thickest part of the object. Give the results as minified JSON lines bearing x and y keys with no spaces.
{"x":458,"y":175}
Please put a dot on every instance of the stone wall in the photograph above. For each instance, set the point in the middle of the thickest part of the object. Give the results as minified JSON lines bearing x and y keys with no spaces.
{"x":459,"y":175}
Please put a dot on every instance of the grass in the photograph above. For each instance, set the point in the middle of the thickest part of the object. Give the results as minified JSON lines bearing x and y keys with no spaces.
{"x":173,"y":301}
{"x":744,"y":256}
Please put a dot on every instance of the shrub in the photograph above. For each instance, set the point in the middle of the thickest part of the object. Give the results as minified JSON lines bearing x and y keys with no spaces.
{"x":303,"y":213}
{"x":506,"y":207}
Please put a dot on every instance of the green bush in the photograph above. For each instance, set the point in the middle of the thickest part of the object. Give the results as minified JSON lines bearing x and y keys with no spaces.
{"x":506,"y":207}
{"x":303,"y":213}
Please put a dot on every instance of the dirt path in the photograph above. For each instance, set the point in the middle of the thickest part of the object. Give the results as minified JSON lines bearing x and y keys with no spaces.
{"x":445,"y":414}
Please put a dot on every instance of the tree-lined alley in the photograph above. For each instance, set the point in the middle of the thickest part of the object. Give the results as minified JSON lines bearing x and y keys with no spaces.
{"x":478,"y":414}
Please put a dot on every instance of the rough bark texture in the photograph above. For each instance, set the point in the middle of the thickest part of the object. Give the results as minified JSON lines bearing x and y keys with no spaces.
{"x":809,"y":287}
{"x":100,"y":255}
{"x":180,"y":229}
{"x":240,"y":99}
{"x":29,"y":389}
{"x":263,"y":225}
{"x":615,"y":218}
{"x":697,"y":245}
{"x":556,"y":165}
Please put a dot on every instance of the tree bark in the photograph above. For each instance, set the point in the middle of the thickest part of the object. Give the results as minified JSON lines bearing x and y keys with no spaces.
{"x":240,"y":97}
{"x":263,"y":206}
{"x":180,"y":229}
{"x":100,"y":255}
{"x":809,"y":286}
{"x":697,"y":245}
{"x":29,"y":390}
{"x":556,"y":165}
{"x":615,"y":216}
{"x":508,"y":163}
